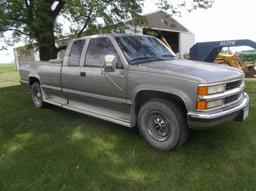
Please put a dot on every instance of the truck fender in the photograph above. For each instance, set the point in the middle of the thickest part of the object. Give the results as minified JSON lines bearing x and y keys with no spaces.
{"x":36,"y":76}
{"x":171,"y":91}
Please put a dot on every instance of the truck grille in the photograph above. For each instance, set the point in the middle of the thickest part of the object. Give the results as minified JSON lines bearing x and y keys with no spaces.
{"x":230,"y":99}
{"x":233,"y":85}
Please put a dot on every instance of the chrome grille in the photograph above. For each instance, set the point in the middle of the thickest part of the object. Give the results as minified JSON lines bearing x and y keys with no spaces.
{"x":230,"y":99}
{"x":233,"y":85}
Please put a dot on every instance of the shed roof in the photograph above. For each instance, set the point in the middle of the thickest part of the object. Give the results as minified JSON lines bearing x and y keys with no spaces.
{"x":162,"y":20}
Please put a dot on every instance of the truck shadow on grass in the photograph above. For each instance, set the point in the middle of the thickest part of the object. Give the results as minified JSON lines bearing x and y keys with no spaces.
{"x":57,"y":149}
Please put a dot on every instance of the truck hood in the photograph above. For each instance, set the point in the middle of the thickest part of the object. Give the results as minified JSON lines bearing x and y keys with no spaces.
{"x":202,"y":71}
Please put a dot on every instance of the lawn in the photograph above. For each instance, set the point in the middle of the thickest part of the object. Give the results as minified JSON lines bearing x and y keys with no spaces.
{"x":55,"y":150}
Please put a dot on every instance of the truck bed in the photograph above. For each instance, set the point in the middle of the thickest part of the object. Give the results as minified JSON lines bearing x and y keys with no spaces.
{"x":47,"y":72}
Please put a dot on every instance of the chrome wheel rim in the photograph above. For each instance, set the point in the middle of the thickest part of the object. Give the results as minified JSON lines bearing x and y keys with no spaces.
{"x":158,"y":126}
{"x":37,"y":96}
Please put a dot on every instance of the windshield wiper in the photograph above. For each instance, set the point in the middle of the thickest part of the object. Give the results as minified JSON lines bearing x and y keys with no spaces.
{"x":135,"y":60}
{"x":167,"y":55}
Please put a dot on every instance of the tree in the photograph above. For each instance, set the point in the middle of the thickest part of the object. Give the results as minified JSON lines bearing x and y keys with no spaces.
{"x":37,"y":21}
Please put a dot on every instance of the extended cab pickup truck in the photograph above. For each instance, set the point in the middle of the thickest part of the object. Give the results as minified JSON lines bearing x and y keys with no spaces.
{"x":135,"y":80}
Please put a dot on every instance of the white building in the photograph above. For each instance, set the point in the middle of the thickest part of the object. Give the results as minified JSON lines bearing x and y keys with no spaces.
{"x":162,"y":25}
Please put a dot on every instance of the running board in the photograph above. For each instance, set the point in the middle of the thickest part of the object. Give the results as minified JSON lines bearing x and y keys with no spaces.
{"x":98,"y":112}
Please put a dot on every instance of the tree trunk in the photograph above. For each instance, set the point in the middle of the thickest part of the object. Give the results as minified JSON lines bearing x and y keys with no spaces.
{"x":45,"y":32}
{"x":47,"y":49}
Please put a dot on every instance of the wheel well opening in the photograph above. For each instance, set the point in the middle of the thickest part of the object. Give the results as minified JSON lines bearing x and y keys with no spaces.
{"x":32,"y":80}
{"x":144,"y":96}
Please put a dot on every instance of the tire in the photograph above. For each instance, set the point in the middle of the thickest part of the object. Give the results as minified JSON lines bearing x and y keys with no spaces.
{"x":37,"y":95}
{"x":163,"y":124}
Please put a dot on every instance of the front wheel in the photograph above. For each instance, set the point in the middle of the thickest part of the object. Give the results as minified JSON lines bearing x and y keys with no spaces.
{"x":37,"y":95}
{"x":162,"y":124}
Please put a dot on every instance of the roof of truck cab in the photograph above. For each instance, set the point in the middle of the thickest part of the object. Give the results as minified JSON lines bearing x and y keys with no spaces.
{"x":112,"y":35}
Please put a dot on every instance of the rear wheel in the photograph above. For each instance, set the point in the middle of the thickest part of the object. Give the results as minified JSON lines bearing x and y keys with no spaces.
{"x":37,"y":95}
{"x":163,"y":124}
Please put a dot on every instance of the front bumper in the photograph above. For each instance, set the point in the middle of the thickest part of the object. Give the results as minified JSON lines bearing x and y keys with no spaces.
{"x":205,"y":119}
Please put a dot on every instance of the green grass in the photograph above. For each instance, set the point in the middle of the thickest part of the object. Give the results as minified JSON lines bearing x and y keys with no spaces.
{"x":8,"y":75}
{"x":54,"y":150}
{"x":7,"y":68}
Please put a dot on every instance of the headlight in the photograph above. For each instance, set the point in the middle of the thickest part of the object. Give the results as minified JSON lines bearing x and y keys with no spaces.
{"x":204,"y":90}
{"x":212,"y":89}
{"x":214,"y":103}
{"x":203,"y":104}
{"x":216,"y":89}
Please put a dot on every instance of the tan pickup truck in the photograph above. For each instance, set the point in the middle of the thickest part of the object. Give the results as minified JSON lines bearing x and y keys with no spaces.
{"x":137,"y":81}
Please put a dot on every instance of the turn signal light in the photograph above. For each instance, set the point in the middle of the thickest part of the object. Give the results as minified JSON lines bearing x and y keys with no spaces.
{"x":202,"y":90}
{"x":201,"y":105}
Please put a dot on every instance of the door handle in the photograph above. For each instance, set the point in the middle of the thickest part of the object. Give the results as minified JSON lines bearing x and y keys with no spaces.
{"x":82,"y":74}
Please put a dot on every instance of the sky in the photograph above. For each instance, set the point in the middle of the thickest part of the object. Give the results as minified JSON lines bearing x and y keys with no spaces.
{"x":226,"y":20}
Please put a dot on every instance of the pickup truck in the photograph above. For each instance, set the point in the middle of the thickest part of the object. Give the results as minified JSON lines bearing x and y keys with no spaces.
{"x":137,"y":81}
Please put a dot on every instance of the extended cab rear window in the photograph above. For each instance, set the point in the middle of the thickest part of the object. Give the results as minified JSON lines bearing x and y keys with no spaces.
{"x":75,"y":53}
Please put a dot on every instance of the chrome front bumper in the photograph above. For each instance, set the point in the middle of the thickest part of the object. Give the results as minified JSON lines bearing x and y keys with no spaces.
{"x":210,"y":119}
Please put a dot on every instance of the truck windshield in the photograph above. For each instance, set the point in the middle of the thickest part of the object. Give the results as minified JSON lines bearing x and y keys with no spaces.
{"x":141,"y":49}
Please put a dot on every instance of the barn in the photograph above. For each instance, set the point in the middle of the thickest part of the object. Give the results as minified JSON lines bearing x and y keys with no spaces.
{"x":162,"y":25}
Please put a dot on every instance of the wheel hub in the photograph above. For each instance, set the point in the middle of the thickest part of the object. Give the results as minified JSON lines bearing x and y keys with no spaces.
{"x":158,"y":126}
{"x":37,"y":96}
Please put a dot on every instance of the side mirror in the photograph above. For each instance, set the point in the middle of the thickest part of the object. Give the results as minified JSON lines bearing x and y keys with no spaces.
{"x":110,"y":63}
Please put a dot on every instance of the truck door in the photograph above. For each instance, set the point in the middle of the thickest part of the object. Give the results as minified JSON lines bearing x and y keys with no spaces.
{"x":98,"y":85}
{"x":70,"y":74}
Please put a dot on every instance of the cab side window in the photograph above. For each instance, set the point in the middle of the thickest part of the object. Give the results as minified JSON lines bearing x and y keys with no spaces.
{"x":96,"y":51}
{"x":75,"y":53}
